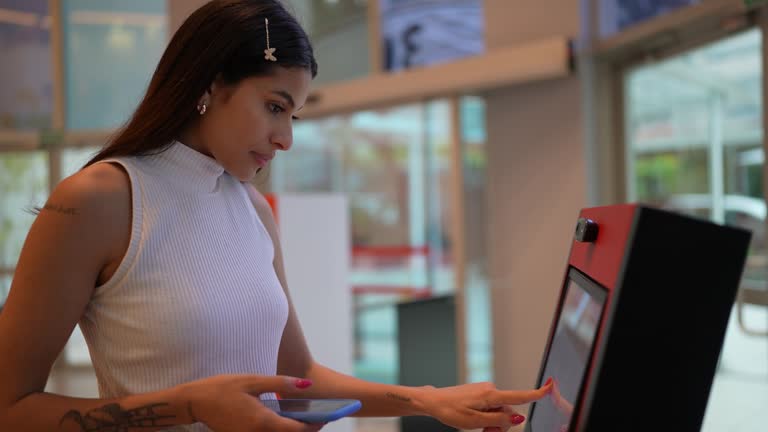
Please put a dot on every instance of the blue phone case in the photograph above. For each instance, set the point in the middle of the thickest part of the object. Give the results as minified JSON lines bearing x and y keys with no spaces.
{"x":314,"y":410}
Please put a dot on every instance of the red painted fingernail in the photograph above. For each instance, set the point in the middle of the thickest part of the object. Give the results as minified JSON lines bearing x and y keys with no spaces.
{"x":549,"y":380}
{"x":516,"y":419}
{"x":303,"y":383}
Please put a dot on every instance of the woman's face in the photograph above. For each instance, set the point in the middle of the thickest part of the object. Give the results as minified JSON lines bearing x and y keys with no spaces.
{"x":246,"y":124}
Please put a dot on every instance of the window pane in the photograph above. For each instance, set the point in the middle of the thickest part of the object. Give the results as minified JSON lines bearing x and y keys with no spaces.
{"x":5,"y":286}
{"x":437,"y":190}
{"x":108,"y":42}
{"x":393,"y":166}
{"x":25,"y":41}
{"x":478,"y":320}
{"x":76,"y":350}
{"x":425,"y":32}
{"x":339,"y":33}
{"x":616,"y":15}
{"x":694,"y":135}
{"x":23,"y":185}
{"x":376,"y":351}
{"x":72,"y":159}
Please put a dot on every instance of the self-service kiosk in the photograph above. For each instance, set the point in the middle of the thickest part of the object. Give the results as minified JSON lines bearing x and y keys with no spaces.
{"x":640,"y":322}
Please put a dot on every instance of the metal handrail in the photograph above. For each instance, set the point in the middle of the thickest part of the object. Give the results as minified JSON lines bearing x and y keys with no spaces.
{"x":755,"y":293}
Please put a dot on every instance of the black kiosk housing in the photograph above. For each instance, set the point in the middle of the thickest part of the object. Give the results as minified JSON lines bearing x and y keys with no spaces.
{"x":641,"y":319}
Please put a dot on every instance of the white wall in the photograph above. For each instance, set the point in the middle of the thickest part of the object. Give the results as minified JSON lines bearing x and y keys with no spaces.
{"x":314,"y":231}
{"x":511,"y":21}
{"x":536,"y":185}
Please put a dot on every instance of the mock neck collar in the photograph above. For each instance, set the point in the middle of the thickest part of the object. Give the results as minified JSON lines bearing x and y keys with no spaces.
{"x":190,"y":167}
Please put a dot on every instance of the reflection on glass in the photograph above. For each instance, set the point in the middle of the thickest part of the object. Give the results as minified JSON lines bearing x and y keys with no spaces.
{"x":108,"y":42}
{"x":23,"y":185}
{"x":616,"y":15}
{"x":694,"y":136}
{"x":393,"y":166}
{"x":26,"y":96}
{"x":425,"y":32}
{"x":339,"y":33}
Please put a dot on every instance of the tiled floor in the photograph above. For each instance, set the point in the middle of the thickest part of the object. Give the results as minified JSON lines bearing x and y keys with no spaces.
{"x":739,"y":397}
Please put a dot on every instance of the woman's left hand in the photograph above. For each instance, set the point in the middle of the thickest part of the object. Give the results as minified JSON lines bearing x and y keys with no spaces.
{"x":480,"y":405}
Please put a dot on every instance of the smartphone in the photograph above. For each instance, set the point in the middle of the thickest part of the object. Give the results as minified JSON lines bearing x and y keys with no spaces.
{"x":313,"y":410}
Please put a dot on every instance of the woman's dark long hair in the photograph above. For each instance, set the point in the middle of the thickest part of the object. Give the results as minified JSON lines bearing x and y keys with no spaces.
{"x":224,"y":39}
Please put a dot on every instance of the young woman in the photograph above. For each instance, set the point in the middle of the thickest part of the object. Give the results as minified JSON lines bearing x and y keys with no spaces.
{"x":170,"y":260}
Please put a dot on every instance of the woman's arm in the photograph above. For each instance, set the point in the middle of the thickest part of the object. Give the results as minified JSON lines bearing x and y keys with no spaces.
{"x":85,"y":220}
{"x":379,"y":400}
{"x":48,"y":412}
{"x":467,"y":406}
{"x":83,"y":229}
{"x":295,"y":359}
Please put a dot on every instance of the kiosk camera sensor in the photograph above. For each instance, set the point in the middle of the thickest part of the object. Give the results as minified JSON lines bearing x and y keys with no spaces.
{"x":586,"y":230}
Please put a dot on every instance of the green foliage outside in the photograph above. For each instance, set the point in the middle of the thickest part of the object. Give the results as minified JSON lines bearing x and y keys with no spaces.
{"x":23,"y":183}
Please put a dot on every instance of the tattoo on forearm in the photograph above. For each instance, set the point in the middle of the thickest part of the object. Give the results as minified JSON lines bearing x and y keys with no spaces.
{"x":58,"y":208}
{"x":398,"y":397}
{"x":112,"y":418}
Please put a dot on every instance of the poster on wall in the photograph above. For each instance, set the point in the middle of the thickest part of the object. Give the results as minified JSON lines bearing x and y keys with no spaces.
{"x":424,"y":32}
{"x":617,"y":15}
{"x":26,"y":98}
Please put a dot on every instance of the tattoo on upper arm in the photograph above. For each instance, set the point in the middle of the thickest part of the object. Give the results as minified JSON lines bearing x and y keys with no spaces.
{"x":58,"y":208}
{"x":398,"y":397}
{"x":112,"y":418}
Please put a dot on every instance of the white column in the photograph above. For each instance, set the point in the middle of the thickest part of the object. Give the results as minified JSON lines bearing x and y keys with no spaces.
{"x":716,"y":177}
{"x":314,"y":230}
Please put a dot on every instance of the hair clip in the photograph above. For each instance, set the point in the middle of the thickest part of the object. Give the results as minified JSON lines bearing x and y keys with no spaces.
{"x":268,"y":53}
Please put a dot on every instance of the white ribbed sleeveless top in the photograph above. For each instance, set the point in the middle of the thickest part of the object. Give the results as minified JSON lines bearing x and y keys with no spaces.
{"x":196,"y":293}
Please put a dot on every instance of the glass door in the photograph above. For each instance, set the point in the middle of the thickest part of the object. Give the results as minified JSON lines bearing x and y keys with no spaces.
{"x":694,"y":144}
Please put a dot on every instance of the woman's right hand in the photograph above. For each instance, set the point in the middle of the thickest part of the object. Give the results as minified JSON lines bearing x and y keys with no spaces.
{"x":231,"y":403}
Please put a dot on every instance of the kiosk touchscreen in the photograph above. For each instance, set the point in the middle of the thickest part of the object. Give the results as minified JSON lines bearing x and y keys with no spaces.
{"x":579,"y":318}
{"x":642,"y":313}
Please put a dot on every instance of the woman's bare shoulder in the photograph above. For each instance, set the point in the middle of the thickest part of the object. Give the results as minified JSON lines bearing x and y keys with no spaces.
{"x":101,"y":183}
{"x":98,"y":198}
